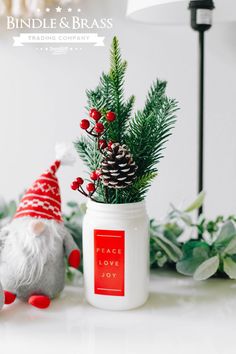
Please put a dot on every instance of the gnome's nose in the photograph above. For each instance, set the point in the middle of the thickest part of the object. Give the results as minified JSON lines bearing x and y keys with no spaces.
{"x":37,"y":227}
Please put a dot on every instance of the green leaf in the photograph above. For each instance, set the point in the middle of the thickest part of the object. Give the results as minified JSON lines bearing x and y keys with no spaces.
{"x":137,"y":191}
{"x":72,"y":204}
{"x":229,"y":267}
{"x":12,"y":208}
{"x":202,"y":252}
{"x":190,"y":247}
{"x":197,"y":203}
{"x":161,"y":260}
{"x":186,"y":219}
{"x":231,"y":247}
{"x":227,"y":233}
{"x":169,"y":249}
{"x":189,"y":265}
{"x":195,"y":253}
{"x":175,"y":249}
{"x":207,"y":268}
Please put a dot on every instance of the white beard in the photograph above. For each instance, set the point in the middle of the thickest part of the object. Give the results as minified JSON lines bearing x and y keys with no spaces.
{"x":27,"y":253}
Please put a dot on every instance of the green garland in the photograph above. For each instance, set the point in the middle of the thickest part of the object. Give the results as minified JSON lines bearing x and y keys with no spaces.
{"x":209,"y":247}
{"x":203,"y":249}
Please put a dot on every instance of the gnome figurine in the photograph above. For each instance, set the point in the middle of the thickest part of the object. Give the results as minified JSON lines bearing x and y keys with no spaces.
{"x":34,"y":244}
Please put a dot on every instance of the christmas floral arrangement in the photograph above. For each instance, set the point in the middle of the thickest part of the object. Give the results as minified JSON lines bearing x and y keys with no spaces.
{"x":120,"y":149}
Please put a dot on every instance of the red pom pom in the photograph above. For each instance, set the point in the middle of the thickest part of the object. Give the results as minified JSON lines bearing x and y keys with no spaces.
{"x":74,"y":259}
{"x":94,"y":176}
{"x":99,"y":128}
{"x":74,"y":185}
{"x":95,"y":114}
{"x":110,"y":116}
{"x":102,"y":143}
{"x":39,"y":301}
{"x":84,"y":124}
{"x":9,"y":297}
{"x":90,"y":187}
{"x":79,"y":180}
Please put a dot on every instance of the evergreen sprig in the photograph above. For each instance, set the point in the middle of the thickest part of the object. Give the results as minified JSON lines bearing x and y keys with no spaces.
{"x":144,"y":133}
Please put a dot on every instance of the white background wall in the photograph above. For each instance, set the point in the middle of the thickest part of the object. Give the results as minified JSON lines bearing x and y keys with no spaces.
{"x":43,"y":99}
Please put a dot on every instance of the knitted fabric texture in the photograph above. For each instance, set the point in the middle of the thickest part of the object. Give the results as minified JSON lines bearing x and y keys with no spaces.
{"x":42,"y":199}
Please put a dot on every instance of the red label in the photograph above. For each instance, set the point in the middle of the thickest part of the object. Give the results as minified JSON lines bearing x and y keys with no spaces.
{"x":109,"y":262}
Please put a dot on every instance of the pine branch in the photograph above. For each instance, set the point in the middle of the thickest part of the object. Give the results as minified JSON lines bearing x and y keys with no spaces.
{"x":155,"y":97}
{"x":149,"y":129}
{"x":88,"y":153}
{"x":117,"y":81}
{"x":138,"y":190}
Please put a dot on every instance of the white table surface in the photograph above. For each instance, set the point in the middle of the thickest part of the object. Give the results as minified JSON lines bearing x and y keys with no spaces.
{"x":181,"y":316}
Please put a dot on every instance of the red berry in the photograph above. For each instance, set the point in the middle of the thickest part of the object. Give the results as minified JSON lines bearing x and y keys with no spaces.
{"x":110,"y":116}
{"x":94,"y":176}
{"x":99,"y":128}
{"x":102,"y":143}
{"x":84,"y":124}
{"x":95,"y":114}
{"x":110,"y":144}
{"x":90,"y":187}
{"x":79,"y":180}
{"x":74,"y":185}
{"x":91,"y":111}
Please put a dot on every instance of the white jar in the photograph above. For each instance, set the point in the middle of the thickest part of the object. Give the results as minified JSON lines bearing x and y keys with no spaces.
{"x":116,"y":255}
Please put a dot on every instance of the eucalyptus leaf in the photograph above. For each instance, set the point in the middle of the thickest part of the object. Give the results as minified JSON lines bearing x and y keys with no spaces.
{"x":229,"y":267}
{"x":197,"y":203}
{"x":161,"y":261}
{"x":169,"y":250}
{"x":172,"y":231}
{"x":188,"y":266}
{"x":72,"y":204}
{"x":172,"y":245}
{"x":207,"y":268}
{"x":186,"y":219}
{"x":152,"y":257}
{"x":231,"y":247}
{"x":227,"y":233}
{"x":201,"y":251}
{"x":196,"y":252}
{"x":190,"y":247}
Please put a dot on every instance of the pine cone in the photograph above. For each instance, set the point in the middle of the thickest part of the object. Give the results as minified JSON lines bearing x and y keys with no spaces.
{"x":118,"y":167}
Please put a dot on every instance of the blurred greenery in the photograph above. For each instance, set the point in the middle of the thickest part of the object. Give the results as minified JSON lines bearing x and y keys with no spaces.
{"x":200,"y":249}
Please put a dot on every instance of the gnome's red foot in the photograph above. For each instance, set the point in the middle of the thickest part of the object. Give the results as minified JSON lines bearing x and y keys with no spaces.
{"x":39,"y":301}
{"x":9,"y":297}
{"x":74,"y":259}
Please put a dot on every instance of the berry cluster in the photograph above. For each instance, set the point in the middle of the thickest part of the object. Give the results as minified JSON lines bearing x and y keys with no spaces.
{"x":90,"y":187}
{"x":98,"y":127}
{"x":96,"y":130}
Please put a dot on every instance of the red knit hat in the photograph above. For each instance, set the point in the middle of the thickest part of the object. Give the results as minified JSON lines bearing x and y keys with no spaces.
{"x":43,"y":199}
